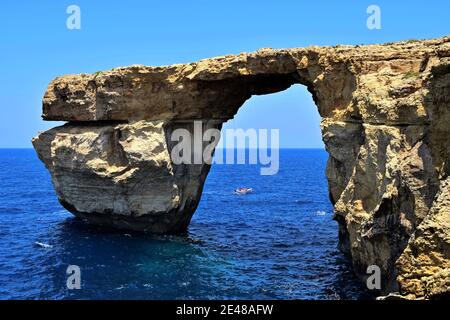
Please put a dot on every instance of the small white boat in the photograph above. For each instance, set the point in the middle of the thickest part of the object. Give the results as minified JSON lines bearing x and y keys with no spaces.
{"x":43,"y":245}
{"x":243,"y":190}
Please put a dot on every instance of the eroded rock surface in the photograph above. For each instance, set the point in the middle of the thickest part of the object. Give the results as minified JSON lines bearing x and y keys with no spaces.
{"x":386,"y":126}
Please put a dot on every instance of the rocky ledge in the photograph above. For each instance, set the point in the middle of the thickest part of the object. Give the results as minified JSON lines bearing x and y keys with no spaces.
{"x":385,"y":122}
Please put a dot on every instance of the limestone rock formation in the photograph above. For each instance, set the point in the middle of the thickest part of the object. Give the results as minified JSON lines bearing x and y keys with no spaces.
{"x":386,"y":127}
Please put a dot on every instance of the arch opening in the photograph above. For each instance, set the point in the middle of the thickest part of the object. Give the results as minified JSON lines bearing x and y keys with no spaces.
{"x":281,"y":237}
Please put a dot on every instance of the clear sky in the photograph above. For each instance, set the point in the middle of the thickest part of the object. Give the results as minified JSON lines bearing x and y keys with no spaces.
{"x":36,"y":46}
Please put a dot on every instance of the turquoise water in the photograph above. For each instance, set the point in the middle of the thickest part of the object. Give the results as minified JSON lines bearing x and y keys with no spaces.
{"x":277,"y":243}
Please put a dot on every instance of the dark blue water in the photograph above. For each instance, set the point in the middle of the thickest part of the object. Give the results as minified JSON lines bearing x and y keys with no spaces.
{"x":277,"y":243}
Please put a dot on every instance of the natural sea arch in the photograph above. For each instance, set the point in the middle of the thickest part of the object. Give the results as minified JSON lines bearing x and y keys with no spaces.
{"x":385,"y":122}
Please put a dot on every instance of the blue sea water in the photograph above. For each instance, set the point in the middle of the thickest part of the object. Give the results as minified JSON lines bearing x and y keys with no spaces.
{"x":279,"y":242}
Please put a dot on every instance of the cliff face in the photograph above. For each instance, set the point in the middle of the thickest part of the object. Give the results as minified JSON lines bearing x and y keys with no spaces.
{"x":386,"y":125}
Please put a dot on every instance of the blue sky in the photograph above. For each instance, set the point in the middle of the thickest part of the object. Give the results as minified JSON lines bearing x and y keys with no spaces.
{"x":37,"y":46}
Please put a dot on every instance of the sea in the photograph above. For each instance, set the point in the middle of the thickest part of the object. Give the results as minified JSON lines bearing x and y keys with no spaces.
{"x":278,"y":242}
